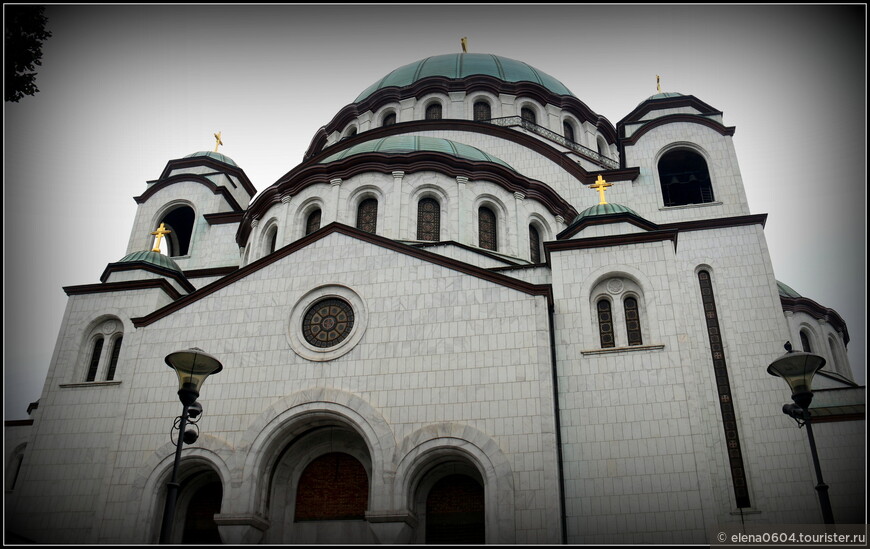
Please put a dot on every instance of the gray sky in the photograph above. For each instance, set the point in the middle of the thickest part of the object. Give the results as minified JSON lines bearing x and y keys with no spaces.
{"x":125,"y":89}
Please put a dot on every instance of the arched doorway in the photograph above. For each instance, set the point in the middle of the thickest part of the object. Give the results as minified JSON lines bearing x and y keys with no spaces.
{"x":455,"y":511}
{"x":203,"y":505}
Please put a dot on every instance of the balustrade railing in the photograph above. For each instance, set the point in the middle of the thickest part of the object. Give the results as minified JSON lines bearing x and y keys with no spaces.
{"x":585,"y":152}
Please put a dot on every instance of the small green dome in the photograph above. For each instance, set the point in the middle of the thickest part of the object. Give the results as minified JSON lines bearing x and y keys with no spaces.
{"x":215,"y":155}
{"x":786,"y":291}
{"x":663,"y":95}
{"x":463,"y":65}
{"x":400,"y":144}
{"x":603,"y":209}
{"x":154,"y":258}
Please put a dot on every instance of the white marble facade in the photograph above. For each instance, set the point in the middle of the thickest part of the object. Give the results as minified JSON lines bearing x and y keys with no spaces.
{"x":486,"y":364}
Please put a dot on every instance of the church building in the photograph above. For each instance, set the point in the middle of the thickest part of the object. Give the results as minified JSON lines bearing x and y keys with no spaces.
{"x":476,"y":312}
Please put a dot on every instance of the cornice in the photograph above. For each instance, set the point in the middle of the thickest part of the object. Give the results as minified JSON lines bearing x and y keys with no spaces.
{"x":819,"y":312}
{"x":219,"y":166}
{"x":222,"y":218}
{"x":145,"y":266}
{"x":544,"y":290}
{"x":520,"y":138}
{"x":155,"y":283}
{"x":471,"y":84}
{"x":188,"y":177}
{"x":673,"y":119}
{"x":651,"y":105}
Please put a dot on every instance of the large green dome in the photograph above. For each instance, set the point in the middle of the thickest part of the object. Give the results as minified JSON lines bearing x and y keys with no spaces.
{"x":401,"y":144}
{"x":463,"y":65}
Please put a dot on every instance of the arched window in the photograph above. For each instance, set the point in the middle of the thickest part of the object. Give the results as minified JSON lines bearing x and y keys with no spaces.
{"x":632,"y":321}
{"x":602,"y":146}
{"x":605,"y":324}
{"x":428,"y":219}
{"x":684,"y":178}
{"x":351,"y":132}
{"x":568,"y":131}
{"x":180,"y":224}
{"x":367,"y":215}
{"x":96,"y":352}
{"x":433,"y":111}
{"x":96,"y":364}
{"x":313,"y":222}
{"x":534,"y":244}
{"x":272,"y":239}
{"x":482,"y":111}
{"x":334,"y":486}
{"x":455,"y":511}
{"x":528,"y":115}
{"x":113,"y":358}
{"x":805,"y":342}
{"x":487,"y":229}
{"x":389,"y":119}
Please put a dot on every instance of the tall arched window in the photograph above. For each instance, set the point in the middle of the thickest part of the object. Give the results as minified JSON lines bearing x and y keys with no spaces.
{"x":602,"y":146}
{"x":568,"y":131}
{"x":534,"y":244}
{"x":98,"y":365}
{"x":605,"y":324}
{"x":428,"y":219}
{"x":313,"y":222}
{"x":433,"y":111}
{"x":367,"y":215}
{"x":113,"y":358}
{"x":632,"y":321}
{"x":334,"y":486}
{"x":684,"y":178}
{"x":389,"y":119}
{"x":272,"y":239}
{"x":487,"y":229}
{"x":528,"y":114}
{"x":805,"y":342}
{"x":482,"y":111}
{"x":179,"y":222}
{"x":96,"y":352}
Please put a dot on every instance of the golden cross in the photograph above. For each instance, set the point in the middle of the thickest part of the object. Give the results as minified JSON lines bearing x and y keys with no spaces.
{"x":600,"y":185}
{"x":464,"y":42}
{"x":658,"y":84}
{"x":218,"y":141}
{"x":159,"y":233}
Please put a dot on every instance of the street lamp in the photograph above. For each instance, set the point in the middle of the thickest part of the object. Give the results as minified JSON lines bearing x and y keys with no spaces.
{"x":192,"y":367}
{"x":797,"y":369}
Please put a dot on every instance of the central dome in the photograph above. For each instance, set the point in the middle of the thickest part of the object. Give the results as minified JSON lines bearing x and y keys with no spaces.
{"x":463,"y":65}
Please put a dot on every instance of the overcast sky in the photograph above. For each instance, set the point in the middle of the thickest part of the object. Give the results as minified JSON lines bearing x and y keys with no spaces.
{"x":125,"y":89}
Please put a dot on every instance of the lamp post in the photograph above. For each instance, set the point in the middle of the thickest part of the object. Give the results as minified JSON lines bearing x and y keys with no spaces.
{"x":797,"y":369}
{"x":192,"y":367}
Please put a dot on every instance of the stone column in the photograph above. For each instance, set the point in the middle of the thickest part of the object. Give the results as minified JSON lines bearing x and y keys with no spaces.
{"x":463,"y":210}
{"x":395,"y":226}
{"x":522,"y":239}
{"x":336,"y":188}
{"x":285,"y":235}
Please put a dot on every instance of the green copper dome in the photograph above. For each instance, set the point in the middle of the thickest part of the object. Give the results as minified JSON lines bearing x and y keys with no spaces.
{"x":786,"y":291}
{"x":603,"y":209}
{"x":216,"y":155}
{"x":154,"y":258}
{"x":463,"y":65}
{"x":400,"y":144}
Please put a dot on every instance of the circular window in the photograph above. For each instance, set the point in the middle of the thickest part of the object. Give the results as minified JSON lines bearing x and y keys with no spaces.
{"x":327,"y":323}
